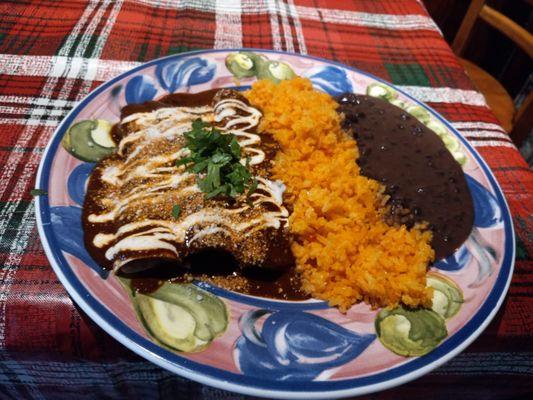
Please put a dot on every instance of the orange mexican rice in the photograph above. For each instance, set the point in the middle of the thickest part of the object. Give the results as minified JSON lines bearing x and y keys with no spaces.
{"x":344,"y":250}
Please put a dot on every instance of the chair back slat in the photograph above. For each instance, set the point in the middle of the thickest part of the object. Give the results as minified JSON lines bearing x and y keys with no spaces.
{"x":509,"y":28}
{"x":523,"y":121}
{"x":461,"y":38}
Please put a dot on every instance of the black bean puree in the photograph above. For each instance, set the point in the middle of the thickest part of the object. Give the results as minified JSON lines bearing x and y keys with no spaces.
{"x":422,"y":178}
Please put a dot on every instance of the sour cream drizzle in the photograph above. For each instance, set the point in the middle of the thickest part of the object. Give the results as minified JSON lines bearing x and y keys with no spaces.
{"x":161,"y":175}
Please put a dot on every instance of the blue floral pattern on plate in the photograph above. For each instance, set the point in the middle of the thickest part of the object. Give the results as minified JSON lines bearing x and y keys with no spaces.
{"x":192,"y":71}
{"x":66,"y":220}
{"x":331,"y":80}
{"x":456,"y":261}
{"x":66,"y":223}
{"x":77,"y":181}
{"x":487,"y":214}
{"x":140,"y":89}
{"x":294,"y":345}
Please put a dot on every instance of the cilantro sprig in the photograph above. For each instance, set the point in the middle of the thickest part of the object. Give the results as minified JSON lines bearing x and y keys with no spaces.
{"x":215,"y":159}
{"x":176,"y":211}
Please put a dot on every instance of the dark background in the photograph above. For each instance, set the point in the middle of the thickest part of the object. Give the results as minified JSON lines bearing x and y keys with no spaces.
{"x":488,"y":48}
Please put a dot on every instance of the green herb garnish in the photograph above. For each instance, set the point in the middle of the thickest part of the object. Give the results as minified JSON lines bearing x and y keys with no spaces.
{"x":38,"y":192}
{"x":176,"y":211}
{"x":216,"y":159}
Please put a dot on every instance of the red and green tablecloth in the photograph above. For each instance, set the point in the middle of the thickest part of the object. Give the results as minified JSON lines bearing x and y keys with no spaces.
{"x":52,"y":53}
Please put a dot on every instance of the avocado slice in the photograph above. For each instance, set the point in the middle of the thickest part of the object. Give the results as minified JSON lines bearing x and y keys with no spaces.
{"x":89,"y":140}
{"x":410,"y":332}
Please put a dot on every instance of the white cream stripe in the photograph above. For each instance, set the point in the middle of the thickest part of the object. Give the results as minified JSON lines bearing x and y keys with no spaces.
{"x":445,"y":95}
{"x":382,"y":21}
{"x":27,"y":122}
{"x":56,"y":67}
{"x":297,"y":27}
{"x":287,"y":34}
{"x":73,"y":35}
{"x":36,"y":111}
{"x":477,"y":125}
{"x":339,"y":16}
{"x":228,"y":32}
{"x":274,"y":26}
{"x":104,"y":34}
{"x":30,"y":130}
{"x":485,"y":134}
{"x":491,"y":143}
{"x":37,"y":101}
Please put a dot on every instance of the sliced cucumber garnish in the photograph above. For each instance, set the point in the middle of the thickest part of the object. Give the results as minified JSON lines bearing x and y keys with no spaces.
{"x":182,"y":316}
{"x":410,"y":332}
{"x":208,"y":310}
{"x":398,"y":103}
{"x":382,"y":91}
{"x":101,"y":135}
{"x":451,"y":143}
{"x":436,"y":127}
{"x":243,"y":64}
{"x":276,"y":71}
{"x":460,"y":157}
{"x":447,"y":297}
{"x":89,"y":140}
{"x":420,"y":113}
{"x":169,"y":323}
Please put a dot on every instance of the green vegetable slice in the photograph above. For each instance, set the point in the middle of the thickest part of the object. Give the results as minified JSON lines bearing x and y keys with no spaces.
{"x":209,"y":312}
{"x":436,"y":127}
{"x":89,"y":140}
{"x":180,"y":316}
{"x":460,"y":157}
{"x":275,"y":71}
{"x":451,"y":143}
{"x":447,"y":297}
{"x":101,"y":134}
{"x":170,"y":324}
{"x":410,"y":332}
{"x":243,"y":64}
{"x":382,"y":91}
{"x":420,"y":113}
{"x":398,"y":103}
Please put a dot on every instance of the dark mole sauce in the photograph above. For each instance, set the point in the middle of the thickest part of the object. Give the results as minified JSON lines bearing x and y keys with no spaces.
{"x":422,"y":178}
{"x":216,"y":267}
{"x":171,"y":100}
{"x":220,"y":269}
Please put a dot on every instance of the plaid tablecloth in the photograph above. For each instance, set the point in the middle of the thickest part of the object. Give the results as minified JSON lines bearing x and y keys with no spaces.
{"x":52,"y":53}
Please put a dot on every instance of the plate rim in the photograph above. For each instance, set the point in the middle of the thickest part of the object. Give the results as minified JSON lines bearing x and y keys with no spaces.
{"x":206,"y":374}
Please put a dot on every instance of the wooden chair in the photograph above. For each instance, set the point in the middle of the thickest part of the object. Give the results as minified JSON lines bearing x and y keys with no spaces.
{"x":518,"y":123}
